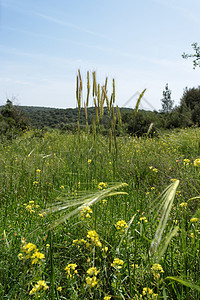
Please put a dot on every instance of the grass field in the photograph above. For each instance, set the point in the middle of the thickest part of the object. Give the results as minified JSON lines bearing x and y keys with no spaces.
{"x":78,"y":221}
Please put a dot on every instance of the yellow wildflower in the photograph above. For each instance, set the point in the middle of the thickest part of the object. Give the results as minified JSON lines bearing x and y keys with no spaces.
{"x":135,"y":266}
{"x":121,"y":225}
{"x":36,"y":257}
{"x":144,"y":219}
{"x":107,"y":297}
{"x":71,"y":270}
{"x":186,"y":161}
{"x":93,"y":236}
{"x":105,"y":249}
{"x":194,"y":220}
{"x":118,"y":263}
{"x":197,"y":162}
{"x":89,"y":161}
{"x":59,"y":289}
{"x":86,"y":212}
{"x":29,"y":247}
{"x":41,"y":284}
{"x":38,"y":170}
{"x":92,"y":271}
{"x":144,"y":291}
{"x":102,"y":185}
{"x":157,"y":268}
{"x":20,"y":256}
{"x":183,"y":204}
{"x":91,"y":281}
{"x":42,"y":214}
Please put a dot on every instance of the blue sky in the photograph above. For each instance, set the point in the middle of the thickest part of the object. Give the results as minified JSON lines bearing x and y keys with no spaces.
{"x":139,"y":43}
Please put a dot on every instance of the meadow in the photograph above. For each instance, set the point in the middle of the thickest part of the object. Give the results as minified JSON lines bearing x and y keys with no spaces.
{"x":84,"y":218}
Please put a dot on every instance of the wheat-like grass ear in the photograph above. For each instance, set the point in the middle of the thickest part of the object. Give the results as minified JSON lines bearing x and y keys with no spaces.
{"x":138,"y":101}
{"x":88,"y":199}
{"x":165,"y":208}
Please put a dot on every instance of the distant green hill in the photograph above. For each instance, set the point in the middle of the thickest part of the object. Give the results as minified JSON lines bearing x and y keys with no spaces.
{"x":55,"y":118}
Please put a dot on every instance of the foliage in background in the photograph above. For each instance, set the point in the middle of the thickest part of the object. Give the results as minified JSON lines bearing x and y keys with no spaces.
{"x":195,"y":55}
{"x":12,"y":120}
{"x":166,"y":101}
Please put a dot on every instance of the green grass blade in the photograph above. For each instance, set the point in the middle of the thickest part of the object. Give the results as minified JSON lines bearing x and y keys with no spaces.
{"x":184,"y":282}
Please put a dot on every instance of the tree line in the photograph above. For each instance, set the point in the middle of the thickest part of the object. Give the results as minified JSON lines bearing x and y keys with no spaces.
{"x":14,"y":118}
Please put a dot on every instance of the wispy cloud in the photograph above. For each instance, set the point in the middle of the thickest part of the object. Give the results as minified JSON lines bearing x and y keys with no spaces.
{"x":67,"y":24}
{"x":12,"y":6}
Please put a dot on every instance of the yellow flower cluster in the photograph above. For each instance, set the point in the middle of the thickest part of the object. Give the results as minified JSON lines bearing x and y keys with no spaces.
{"x":71,"y":270}
{"x":31,"y":252}
{"x":80,"y":242}
{"x":121,"y":225}
{"x":153,"y":169}
{"x":135,"y":266}
{"x":194,"y":220}
{"x":86,"y":213}
{"x":92,"y":271}
{"x":31,"y":206}
{"x":94,"y":238}
{"x":91,"y":280}
{"x":102,"y":185}
{"x":197,"y":162}
{"x":183,"y":204}
{"x":118,"y":263}
{"x":40,"y":285}
{"x":147,"y":292}
{"x":143,"y":219}
{"x":156,"y":270}
{"x":186,"y":162}
{"x":107,"y":298}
